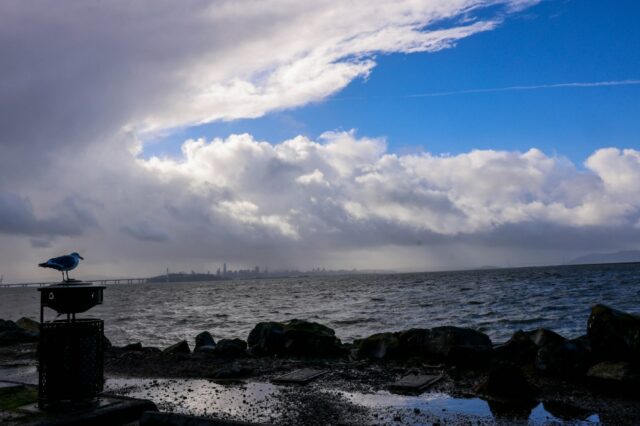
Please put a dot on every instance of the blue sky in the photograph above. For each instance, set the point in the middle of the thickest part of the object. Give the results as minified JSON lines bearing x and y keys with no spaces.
{"x":551,"y":43}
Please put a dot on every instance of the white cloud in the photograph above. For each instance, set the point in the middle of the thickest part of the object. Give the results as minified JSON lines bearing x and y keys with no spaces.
{"x":463,"y":194}
{"x":303,"y":201}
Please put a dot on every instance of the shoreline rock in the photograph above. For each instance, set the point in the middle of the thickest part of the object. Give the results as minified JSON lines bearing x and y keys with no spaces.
{"x":615,"y":335}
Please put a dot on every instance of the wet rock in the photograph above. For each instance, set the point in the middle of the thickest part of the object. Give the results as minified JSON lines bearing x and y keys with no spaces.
{"x":27,"y":324}
{"x":520,"y":349}
{"x":294,"y":338}
{"x":266,"y":338}
{"x":543,"y":337}
{"x":615,"y":335}
{"x":506,"y":382}
{"x":181,"y":347}
{"x":205,"y":349}
{"x":6,"y":325}
{"x":17,"y":335}
{"x":378,"y":346}
{"x":455,"y":345}
{"x":415,"y":342}
{"x":620,"y":372}
{"x":11,"y":333}
{"x":231,"y":348}
{"x":204,"y":339}
{"x":305,"y":338}
{"x":132,"y":347}
{"x":460,"y":346}
{"x":570,"y":358}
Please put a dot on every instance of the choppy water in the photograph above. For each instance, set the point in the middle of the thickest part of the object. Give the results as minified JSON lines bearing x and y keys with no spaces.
{"x":497,"y":302}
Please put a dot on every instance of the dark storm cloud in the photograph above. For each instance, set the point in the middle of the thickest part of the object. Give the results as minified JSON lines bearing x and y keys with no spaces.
{"x":144,"y":231}
{"x":17,"y":217}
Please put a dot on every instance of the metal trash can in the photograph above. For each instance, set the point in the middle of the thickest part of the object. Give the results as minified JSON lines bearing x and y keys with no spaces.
{"x":71,"y":351}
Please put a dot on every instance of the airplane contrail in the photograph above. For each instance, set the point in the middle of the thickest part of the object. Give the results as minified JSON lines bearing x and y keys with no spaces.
{"x":533,"y":87}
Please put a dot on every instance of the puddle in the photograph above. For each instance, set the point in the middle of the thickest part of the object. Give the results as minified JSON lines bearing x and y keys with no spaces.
{"x":240,"y":401}
{"x":24,"y":373}
{"x":444,"y":408}
{"x":269,"y":403}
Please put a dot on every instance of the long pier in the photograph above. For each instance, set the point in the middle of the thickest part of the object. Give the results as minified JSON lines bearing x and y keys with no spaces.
{"x":105,"y":282}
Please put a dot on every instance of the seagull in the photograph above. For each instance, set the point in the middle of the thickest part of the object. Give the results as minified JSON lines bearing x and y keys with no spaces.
{"x":63,"y":264}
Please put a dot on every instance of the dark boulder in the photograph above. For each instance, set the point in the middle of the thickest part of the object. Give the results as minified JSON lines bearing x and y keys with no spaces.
{"x":571,"y":358}
{"x":459,"y":346}
{"x":378,"y":346}
{"x":415,"y":342}
{"x":206,"y":349}
{"x":506,"y":381}
{"x":17,"y":335}
{"x":11,"y":333}
{"x":132,"y":347}
{"x":181,"y":347}
{"x":519,"y":349}
{"x":543,"y":337}
{"x":443,"y":339}
{"x":204,"y":339}
{"x":231,"y":348}
{"x":305,"y":338}
{"x":7,"y":325}
{"x":455,"y":345}
{"x":293,"y":338}
{"x":615,"y":335}
{"x":266,"y":338}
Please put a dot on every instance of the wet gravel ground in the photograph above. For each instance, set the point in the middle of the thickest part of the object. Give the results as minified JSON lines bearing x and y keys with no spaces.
{"x":352,"y":393}
{"x":355,"y":393}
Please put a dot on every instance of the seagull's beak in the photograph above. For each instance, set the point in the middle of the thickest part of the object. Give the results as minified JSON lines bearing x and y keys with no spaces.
{"x":81,"y":257}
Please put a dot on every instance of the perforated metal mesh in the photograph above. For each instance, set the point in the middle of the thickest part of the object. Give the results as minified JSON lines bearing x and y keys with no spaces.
{"x":71,"y":361}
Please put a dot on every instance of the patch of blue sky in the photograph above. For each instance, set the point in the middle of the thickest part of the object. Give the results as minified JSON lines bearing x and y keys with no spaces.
{"x":555,"y":42}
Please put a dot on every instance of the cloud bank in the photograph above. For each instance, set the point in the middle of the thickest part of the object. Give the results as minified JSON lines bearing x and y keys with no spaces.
{"x":343,"y":200}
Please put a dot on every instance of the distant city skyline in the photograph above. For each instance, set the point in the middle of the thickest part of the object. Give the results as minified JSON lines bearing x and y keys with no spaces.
{"x":371,"y":134}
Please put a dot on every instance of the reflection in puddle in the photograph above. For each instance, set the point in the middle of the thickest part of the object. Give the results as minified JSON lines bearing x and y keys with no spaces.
{"x":479,"y":409}
{"x":267,"y":403}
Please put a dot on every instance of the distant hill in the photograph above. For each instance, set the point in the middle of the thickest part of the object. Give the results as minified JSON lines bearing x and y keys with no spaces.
{"x":618,"y":257}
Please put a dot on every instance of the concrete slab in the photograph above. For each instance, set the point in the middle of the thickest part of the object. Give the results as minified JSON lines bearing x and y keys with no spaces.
{"x":414,"y":383}
{"x":302,"y":376}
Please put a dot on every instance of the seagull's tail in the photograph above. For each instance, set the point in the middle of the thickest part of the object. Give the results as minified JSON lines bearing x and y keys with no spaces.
{"x":44,"y":265}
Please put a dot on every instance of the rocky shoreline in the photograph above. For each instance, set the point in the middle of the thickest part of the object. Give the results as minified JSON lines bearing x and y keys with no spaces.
{"x":597,"y":373}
